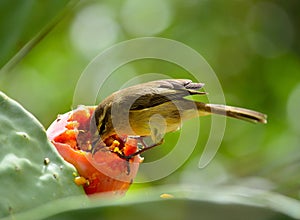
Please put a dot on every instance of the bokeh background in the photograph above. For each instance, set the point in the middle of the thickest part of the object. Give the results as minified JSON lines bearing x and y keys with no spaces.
{"x":253,"y":47}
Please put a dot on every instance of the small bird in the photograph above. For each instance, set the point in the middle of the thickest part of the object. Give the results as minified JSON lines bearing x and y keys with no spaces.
{"x":157,"y":107}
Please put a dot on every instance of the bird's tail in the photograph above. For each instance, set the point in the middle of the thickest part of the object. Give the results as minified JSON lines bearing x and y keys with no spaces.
{"x":234,"y":112}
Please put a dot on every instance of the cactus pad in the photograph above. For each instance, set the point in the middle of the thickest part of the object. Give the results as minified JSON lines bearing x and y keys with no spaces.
{"x":31,"y":171}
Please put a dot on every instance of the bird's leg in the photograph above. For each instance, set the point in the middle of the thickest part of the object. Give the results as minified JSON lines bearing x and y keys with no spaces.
{"x":145,"y":148}
{"x":97,"y":144}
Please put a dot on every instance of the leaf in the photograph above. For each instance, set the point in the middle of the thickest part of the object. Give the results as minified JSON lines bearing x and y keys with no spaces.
{"x":183,"y":202}
{"x":27,"y":21}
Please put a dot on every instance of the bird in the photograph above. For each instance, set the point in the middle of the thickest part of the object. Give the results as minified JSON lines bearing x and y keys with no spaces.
{"x":155,"y":108}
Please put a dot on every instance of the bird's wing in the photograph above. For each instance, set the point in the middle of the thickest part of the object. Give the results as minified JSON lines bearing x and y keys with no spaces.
{"x":158,"y":92}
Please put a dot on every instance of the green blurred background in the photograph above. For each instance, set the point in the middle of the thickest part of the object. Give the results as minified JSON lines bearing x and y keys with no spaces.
{"x":253,"y":47}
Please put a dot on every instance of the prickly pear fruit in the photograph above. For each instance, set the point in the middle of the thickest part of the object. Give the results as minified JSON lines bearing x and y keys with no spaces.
{"x":103,"y":170}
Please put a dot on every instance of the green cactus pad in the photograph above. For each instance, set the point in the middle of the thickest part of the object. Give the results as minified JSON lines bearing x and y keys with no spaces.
{"x":31,"y":171}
